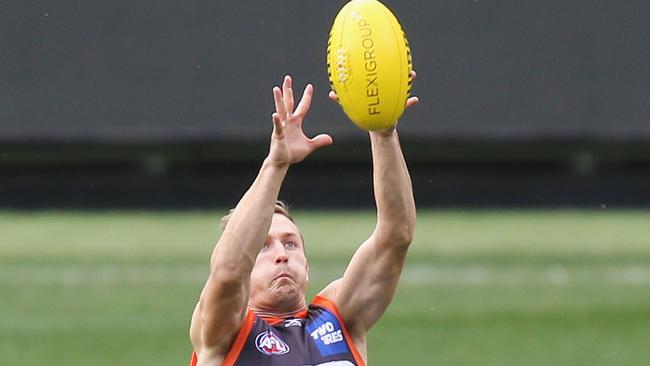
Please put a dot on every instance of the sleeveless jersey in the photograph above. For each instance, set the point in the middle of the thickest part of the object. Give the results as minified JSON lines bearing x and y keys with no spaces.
{"x":315,"y":337}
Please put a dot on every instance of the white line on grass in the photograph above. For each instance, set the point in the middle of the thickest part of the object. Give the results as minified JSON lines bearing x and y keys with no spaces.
{"x":421,"y":275}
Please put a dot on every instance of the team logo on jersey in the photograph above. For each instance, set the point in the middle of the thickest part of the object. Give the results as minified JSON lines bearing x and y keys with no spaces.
{"x":270,"y":344}
{"x":327,"y":334}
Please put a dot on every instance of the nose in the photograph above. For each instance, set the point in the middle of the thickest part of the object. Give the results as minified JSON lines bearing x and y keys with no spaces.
{"x":281,"y":256}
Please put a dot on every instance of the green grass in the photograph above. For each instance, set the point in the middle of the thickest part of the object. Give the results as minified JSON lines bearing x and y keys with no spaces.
{"x":481,"y":287}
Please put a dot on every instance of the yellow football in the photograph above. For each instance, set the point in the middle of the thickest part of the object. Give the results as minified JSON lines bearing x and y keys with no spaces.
{"x":369,"y":64}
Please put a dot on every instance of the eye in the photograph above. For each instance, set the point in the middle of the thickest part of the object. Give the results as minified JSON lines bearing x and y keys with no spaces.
{"x":265,"y":246}
{"x":291,"y":244}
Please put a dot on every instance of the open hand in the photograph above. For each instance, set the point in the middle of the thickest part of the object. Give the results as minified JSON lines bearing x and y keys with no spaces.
{"x":289,"y":144}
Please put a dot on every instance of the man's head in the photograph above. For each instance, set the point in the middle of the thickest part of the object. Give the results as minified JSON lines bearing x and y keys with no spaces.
{"x":279,"y":278}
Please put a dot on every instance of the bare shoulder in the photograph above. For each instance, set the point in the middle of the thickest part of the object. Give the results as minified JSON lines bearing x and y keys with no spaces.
{"x":329,"y":292}
{"x":195,"y":329}
{"x":208,"y":354}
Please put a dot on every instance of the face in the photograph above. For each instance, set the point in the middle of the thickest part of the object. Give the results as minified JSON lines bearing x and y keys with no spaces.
{"x":279,"y":277}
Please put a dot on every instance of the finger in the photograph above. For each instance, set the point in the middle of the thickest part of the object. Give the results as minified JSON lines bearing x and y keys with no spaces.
{"x":278,"y":126}
{"x":321,"y":140}
{"x":305,"y":101}
{"x":287,"y":93}
{"x":333,"y":96}
{"x":279,"y":104}
{"x":412,"y":101}
{"x":414,"y":75}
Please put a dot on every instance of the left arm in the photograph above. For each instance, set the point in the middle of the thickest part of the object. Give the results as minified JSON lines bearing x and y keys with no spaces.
{"x":369,"y":282}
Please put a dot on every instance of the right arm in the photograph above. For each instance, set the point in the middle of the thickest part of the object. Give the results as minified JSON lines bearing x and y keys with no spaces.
{"x":223,"y":302}
{"x":222,"y":305}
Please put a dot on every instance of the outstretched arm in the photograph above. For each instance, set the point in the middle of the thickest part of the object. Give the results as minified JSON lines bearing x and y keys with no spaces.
{"x":223,"y":301}
{"x":369,"y":282}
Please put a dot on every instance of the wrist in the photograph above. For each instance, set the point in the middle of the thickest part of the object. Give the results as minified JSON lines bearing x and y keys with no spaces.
{"x":270,"y":163}
{"x":383,"y":134}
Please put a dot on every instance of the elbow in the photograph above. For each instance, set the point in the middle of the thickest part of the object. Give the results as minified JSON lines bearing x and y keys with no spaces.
{"x":227,"y":275}
{"x":396,"y":225}
{"x":400,"y":233}
{"x":405,"y":229}
{"x":405,"y":233}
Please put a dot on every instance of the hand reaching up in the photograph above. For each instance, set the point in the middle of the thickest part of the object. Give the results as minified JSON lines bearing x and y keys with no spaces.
{"x":289,"y":144}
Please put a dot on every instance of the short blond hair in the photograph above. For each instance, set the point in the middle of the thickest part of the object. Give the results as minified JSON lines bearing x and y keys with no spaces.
{"x":281,"y":208}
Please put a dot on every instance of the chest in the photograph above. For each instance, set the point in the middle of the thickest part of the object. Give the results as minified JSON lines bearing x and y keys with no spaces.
{"x":318,"y":339}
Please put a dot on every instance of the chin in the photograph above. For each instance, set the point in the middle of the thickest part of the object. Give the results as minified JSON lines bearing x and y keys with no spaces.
{"x":286,"y":294}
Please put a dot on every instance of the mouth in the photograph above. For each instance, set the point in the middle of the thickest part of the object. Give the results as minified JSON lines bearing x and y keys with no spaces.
{"x":283,"y":275}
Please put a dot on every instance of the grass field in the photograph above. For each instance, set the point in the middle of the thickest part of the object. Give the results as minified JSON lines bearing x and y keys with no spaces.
{"x":481,"y":288}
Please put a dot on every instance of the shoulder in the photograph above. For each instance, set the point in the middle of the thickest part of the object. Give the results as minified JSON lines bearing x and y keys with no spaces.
{"x":195,"y":328}
{"x":330,"y":291}
{"x":228,"y":348}
{"x":329,"y":326}
{"x":329,"y":299}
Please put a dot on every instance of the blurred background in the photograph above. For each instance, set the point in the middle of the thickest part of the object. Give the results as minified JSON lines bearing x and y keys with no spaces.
{"x":127,"y":128}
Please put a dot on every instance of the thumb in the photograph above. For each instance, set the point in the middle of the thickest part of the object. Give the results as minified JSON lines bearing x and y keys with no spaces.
{"x":321,"y":140}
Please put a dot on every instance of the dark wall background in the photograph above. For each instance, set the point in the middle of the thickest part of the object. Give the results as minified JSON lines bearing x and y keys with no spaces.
{"x":155,"y":70}
{"x":159,"y":88}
